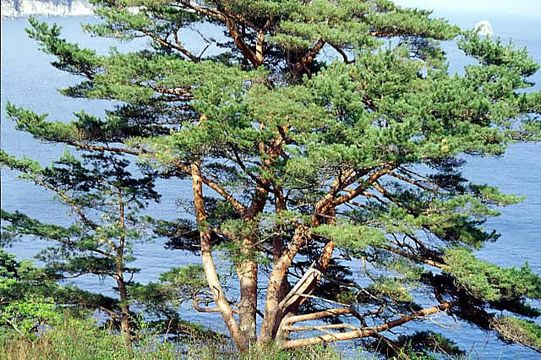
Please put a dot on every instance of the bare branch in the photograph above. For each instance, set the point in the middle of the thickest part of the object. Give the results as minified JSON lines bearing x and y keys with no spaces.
{"x":183,"y":93}
{"x":318,"y":315}
{"x":239,"y":207}
{"x":260,"y":42}
{"x":413,"y":182}
{"x":304,"y":286}
{"x":200,"y":308}
{"x":342,"y":53}
{"x":104,"y":148}
{"x":365,"y":332}
{"x":317,"y":327}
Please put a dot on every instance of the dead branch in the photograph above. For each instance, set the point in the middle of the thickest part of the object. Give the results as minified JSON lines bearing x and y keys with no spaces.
{"x":289,"y":328}
{"x":363,"y":332}
{"x":317,"y":315}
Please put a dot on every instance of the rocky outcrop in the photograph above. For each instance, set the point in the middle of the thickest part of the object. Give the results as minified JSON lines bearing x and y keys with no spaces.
{"x":13,"y":8}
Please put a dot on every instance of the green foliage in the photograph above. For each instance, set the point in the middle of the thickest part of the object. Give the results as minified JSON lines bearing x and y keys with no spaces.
{"x":81,"y":340}
{"x":24,"y":306}
{"x":490,"y":52}
{"x":177,"y":285}
{"x":273,"y":352}
{"x":23,"y":225}
{"x":355,"y":237}
{"x":426,"y":345}
{"x":520,"y":331}
{"x":190,"y":276}
{"x":362,"y":147}
{"x":74,"y":339}
{"x":490,"y":282}
{"x":28,"y":315}
{"x":105,"y":199}
{"x":391,"y":288}
{"x":70,"y":57}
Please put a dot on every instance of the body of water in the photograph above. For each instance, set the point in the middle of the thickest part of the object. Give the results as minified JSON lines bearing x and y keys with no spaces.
{"x":28,"y":80}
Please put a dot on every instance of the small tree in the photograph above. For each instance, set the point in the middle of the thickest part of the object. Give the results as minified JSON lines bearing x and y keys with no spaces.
{"x":322,"y":128}
{"x":105,"y":198}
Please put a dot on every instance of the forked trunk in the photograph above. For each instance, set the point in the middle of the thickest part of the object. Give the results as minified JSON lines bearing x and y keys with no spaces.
{"x":275,"y":290}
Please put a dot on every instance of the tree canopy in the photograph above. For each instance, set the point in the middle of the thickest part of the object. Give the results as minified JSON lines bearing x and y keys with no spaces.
{"x":322,"y":131}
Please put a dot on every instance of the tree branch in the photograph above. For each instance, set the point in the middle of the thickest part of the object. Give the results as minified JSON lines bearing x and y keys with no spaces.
{"x":318,"y":315}
{"x":67,"y":200}
{"x":289,"y":328}
{"x":239,"y":207}
{"x":241,"y":44}
{"x":342,"y":53}
{"x":414,"y":257}
{"x":363,"y":332}
{"x":202,"y":309}
{"x":176,"y":46}
{"x":352,"y":194}
{"x":207,"y":260}
{"x":215,"y":14}
{"x":303,"y":63}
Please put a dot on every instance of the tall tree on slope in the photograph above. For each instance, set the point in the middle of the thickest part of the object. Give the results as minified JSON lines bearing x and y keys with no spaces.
{"x":321,"y":128}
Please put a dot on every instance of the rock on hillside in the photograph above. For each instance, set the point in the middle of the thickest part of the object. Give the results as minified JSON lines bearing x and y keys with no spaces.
{"x":13,"y":8}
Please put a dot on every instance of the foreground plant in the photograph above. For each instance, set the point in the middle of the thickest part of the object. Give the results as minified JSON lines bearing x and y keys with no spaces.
{"x":26,"y":301}
{"x":313,"y":132}
{"x":76,"y":339}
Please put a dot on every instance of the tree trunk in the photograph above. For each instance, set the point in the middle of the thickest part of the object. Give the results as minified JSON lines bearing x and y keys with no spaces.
{"x":125,"y":327}
{"x":273,"y":312}
{"x":247,"y":273}
{"x":208,"y":262}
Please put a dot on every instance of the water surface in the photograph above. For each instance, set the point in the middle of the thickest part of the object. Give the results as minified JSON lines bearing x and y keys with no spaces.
{"x":28,"y":80}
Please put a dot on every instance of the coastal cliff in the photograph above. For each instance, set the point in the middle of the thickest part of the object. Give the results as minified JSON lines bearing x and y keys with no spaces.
{"x":14,"y":8}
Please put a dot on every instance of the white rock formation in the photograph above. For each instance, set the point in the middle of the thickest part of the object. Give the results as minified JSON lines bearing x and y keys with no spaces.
{"x":13,"y":8}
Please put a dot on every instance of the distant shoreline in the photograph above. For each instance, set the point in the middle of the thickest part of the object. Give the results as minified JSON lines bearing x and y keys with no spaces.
{"x":21,"y":8}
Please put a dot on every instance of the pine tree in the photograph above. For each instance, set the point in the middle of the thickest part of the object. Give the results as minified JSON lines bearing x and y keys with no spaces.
{"x":322,"y":128}
{"x":105,"y":198}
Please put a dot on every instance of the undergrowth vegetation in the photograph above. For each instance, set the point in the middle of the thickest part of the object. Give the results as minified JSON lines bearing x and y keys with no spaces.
{"x":82,"y":339}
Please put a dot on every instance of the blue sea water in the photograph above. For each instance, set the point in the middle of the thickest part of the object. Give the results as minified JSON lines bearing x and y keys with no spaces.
{"x":27,"y":79}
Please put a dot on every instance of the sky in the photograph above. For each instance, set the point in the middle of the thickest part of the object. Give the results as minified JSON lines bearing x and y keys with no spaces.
{"x":522,"y":8}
